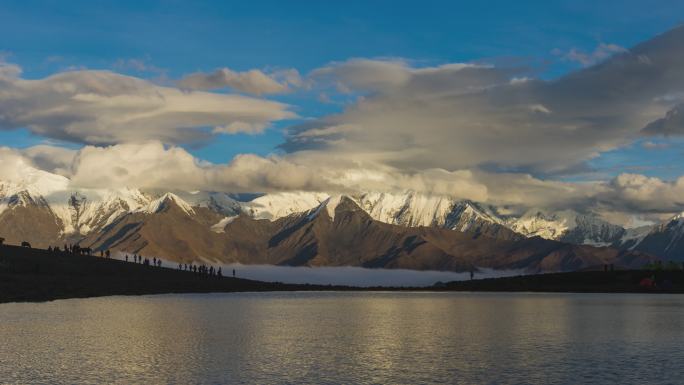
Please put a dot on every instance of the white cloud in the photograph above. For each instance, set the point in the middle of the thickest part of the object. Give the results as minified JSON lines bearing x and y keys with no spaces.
{"x":102,"y":107}
{"x":388,"y":76}
{"x":252,"y":82}
{"x":602,"y":52}
{"x":640,"y":193}
{"x":154,"y":166}
{"x":53,"y":159}
{"x":455,"y":129}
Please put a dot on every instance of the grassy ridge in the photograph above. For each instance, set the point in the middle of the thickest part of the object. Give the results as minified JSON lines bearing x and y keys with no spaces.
{"x":38,"y":275}
{"x":619,"y":281}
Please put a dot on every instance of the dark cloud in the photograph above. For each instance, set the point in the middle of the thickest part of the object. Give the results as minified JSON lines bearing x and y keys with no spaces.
{"x":464,"y":116}
{"x":672,"y":124}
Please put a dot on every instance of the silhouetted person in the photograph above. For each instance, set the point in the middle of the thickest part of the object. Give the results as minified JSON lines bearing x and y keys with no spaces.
{"x":233,"y":273}
{"x":605,"y":268}
{"x":219,"y":272}
{"x":159,"y":262}
{"x":108,"y":253}
{"x":49,"y":249}
{"x":126,"y":257}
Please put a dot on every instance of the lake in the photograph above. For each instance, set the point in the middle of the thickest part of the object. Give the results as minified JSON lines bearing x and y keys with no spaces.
{"x":346,"y":338}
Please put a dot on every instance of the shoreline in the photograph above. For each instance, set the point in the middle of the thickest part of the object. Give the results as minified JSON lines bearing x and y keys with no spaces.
{"x":35,"y":275}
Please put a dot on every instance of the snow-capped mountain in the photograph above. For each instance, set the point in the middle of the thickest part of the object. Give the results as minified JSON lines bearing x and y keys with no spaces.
{"x":567,"y":226}
{"x":279,"y":205}
{"x":82,"y":211}
{"x":413,"y":210}
{"x":589,"y":229}
{"x":337,"y":233}
{"x":545,"y":225}
{"x":67,"y":213}
{"x":408,"y":209}
{"x":665,"y":240}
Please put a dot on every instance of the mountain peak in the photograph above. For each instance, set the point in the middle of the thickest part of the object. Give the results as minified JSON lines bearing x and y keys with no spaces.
{"x":279,"y":205}
{"x":167,"y":201}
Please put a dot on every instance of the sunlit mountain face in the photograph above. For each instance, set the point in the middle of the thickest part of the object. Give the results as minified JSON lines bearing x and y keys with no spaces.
{"x":314,"y":229}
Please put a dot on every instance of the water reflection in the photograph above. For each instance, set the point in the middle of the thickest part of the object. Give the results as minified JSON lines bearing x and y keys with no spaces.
{"x":345,"y":338}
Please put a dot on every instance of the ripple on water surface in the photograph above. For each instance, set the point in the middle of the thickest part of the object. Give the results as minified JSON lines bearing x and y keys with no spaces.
{"x":333,"y":338}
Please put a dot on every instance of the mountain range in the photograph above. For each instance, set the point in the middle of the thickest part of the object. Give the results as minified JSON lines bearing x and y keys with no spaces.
{"x":399,"y":230}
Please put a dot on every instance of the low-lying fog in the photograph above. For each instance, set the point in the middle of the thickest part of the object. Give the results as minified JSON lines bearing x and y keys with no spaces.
{"x":355,"y":276}
{"x":348,"y":275}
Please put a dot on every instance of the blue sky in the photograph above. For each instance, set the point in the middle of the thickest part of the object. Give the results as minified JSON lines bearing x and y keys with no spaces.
{"x":174,"y":38}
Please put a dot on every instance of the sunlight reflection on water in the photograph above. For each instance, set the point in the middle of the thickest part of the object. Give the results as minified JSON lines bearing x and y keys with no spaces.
{"x":365,"y":338}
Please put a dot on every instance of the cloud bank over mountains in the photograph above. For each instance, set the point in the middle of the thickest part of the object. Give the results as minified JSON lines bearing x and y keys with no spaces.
{"x":471,"y":131}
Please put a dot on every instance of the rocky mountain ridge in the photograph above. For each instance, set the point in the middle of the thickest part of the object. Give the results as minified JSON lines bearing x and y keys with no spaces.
{"x":45,"y":211}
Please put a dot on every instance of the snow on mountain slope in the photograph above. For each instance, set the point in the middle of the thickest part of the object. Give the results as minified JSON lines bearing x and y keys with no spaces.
{"x":567,"y":226}
{"x":408,"y":209}
{"x":675,"y":227}
{"x":86,"y":210}
{"x":220,"y":226}
{"x":329,"y":205}
{"x":32,"y":186}
{"x":160,"y":203}
{"x":589,"y":229}
{"x":221,"y":203}
{"x":633,"y":237}
{"x":36,"y":182}
{"x":412,"y":209}
{"x":540,"y":224}
{"x":666,"y":239}
{"x":278,"y":205}
{"x":82,"y":211}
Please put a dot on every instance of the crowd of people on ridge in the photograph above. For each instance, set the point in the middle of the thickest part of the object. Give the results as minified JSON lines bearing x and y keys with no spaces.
{"x":145,"y":261}
{"x":76,"y":249}
{"x":203,"y":270}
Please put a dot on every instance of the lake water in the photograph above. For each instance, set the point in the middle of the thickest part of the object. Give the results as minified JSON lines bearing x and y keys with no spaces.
{"x":346,"y":338}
